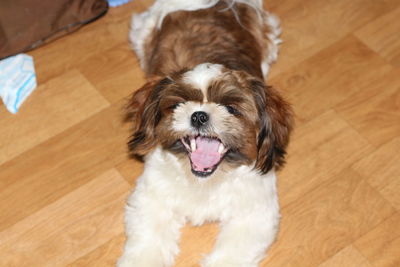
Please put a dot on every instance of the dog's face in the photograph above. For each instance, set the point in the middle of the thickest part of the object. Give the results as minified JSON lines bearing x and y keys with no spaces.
{"x":210,"y":116}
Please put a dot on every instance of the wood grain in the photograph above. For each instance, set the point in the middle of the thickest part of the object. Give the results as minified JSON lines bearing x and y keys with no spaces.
{"x":310,"y":26}
{"x":327,"y":136}
{"x":115,"y":73}
{"x":381,"y":246}
{"x":382,"y":170}
{"x":379,"y":118}
{"x":331,"y":76}
{"x":69,"y":227}
{"x":326,"y":220}
{"x":65,"y":172}
{"x":61,"y":164}
{"x":103,"y":255}
{"x":349,"y":257}
{"x":40,"y":119}
{"x":382,"y":35}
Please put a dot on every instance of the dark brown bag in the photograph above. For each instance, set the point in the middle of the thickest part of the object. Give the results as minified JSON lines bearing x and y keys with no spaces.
{"x":26,"y":24}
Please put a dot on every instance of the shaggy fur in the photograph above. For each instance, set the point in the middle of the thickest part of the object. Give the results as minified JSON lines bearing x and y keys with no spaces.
{"x":210,"y":131}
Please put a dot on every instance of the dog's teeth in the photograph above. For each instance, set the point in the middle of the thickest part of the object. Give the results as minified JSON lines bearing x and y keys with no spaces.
{"x":184,"y":143}
{"x":221,"y":148}
{"x":193,"y":145}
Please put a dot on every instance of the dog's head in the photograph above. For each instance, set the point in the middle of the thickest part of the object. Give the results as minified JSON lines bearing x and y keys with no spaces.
{"x":210,"y":116}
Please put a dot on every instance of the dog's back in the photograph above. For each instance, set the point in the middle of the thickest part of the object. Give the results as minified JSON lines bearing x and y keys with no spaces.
{"x":171,"y":37}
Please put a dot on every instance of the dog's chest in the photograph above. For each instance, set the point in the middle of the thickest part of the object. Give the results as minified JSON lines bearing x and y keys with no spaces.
{"x":200,"y":203}
{"x":213,"y":199}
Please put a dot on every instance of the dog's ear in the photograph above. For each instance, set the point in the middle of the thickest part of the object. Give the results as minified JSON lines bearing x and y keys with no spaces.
{"x":275,"y":126}
{"x":143,"y":110}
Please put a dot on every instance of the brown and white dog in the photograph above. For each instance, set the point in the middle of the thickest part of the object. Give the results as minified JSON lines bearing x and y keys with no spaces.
{"x":211,"y":132}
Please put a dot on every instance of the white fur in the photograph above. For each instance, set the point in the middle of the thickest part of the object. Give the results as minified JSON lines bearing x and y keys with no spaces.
{"x":143,"y":24}
{"x":219,"y":118}
{"x":200,"y":78}
{"x":202,"y":75}
{"x":167,"y":195}
{"x":271,"y":56}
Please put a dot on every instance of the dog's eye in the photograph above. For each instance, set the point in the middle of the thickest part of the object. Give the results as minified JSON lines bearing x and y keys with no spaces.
{"x":174,"y":106}
{"x":232,"y":110}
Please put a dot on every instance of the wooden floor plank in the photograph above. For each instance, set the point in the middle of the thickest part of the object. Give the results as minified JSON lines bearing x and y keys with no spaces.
{"x":326,"y":220}
{"x":52,"y":108}
{"x":198,"y":239}
{"x":130,"y":169}
{"x":331,"y":140}
{"x":330,"y":77}
{"x":349,"y":257}
{"x":383,"y":36}
{"x":61,"y":164}
{"x":115,"y":73}
{"x":68,"y":228}
{"x":381,"y":246}
{"x":382,"y":170}
{"x":310,"y":26}
{"x":378,"y":119}
{"x":104,"y":255}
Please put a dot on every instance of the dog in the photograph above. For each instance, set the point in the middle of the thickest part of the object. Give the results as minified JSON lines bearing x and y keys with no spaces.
{"x":212,"y":134}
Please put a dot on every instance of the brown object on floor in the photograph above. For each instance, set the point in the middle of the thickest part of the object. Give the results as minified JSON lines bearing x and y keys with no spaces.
{"x":26,"y":24}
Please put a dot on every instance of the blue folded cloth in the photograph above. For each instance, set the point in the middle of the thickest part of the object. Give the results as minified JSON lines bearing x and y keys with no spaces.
{"x":114,"y":3}
{"x":17,"y":80}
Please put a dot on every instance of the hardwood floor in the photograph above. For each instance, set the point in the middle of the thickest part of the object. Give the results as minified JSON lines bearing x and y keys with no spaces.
{"x":65,"y":174}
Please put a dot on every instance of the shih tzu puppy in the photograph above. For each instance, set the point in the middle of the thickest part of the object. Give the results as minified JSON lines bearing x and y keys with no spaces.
{"x":211,"y":132}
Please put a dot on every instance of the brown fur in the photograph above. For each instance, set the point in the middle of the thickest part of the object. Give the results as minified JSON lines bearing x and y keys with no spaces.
{"x":267,"y":119}
{"x":214,"y":35}
{"x":260,"y":128}
{"x":276,"y":124}
{"x":152,"y":102}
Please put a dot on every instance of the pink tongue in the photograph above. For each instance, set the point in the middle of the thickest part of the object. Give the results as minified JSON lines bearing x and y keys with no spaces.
{"x":206,"y":154}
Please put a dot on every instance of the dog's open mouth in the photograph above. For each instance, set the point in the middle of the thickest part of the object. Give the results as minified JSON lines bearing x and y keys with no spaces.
{"x":205,"y":154}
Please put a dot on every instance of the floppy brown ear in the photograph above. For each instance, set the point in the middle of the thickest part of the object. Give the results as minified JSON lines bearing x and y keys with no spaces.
{"x":143,"y":110}
{"x":275,"y":126}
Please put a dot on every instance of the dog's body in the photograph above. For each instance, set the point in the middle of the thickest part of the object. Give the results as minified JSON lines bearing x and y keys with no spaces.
{"x":238,"y":36}
{"x":211,"y":132}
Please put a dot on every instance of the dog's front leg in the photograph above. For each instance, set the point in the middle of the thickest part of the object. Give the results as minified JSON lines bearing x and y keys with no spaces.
{"x":243,"y":241}
{"x":152,"y":230}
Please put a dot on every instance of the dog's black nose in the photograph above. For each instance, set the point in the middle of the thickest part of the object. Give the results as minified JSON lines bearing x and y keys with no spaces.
{"x":199,"y":118}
